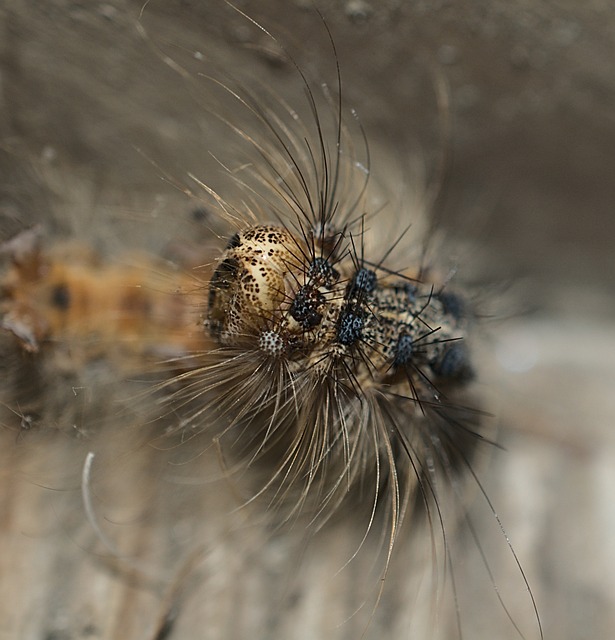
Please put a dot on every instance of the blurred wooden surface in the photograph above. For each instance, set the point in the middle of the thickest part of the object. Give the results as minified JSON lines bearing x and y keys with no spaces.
{"x":532,"y":90}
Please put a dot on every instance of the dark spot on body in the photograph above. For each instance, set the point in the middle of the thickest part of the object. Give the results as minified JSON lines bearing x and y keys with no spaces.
{"x":454,"y":363}
{"x":453,"y":304}
{"x":60,"y":296}
{"x":304,"y":308}
{"x":322,"y":272}
{"x":364,"y":281}
{"x":410,"y":290}
{"x":404,"y":350}
{"x":350,"y":326}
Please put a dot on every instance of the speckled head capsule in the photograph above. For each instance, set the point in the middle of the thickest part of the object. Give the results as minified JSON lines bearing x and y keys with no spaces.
{"x":251,"y":282}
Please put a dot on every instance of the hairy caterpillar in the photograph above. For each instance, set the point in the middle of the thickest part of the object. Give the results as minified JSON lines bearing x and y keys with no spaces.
{"x":330,"y":319}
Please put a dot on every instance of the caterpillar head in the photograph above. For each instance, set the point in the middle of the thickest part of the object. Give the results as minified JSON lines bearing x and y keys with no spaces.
{"x":252,"y":282}
{"x":272,"y":288}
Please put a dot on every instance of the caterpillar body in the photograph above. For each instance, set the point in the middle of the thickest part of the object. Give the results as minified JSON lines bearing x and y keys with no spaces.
{"x":328,"y":376}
